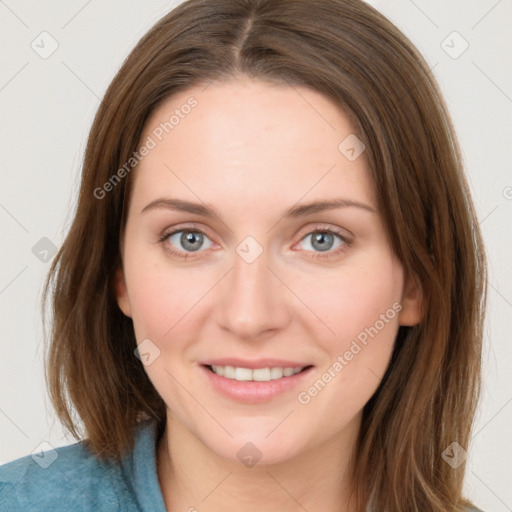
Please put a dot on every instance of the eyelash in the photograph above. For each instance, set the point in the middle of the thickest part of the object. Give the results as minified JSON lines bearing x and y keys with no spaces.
{"x":322,"y":229}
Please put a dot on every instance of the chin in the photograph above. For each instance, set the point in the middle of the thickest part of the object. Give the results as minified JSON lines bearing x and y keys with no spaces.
{"x":251,"y":450}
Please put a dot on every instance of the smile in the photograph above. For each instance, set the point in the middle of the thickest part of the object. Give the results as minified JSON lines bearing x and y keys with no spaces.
{"x":258,"y":375}
{"x":254,"y":385}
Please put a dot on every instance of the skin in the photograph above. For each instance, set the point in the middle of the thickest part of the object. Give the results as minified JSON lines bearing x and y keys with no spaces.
{"x":251,"y":150}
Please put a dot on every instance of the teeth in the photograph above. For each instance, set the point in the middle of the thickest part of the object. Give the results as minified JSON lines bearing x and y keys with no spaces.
{"x":258,"y":375}
{"x":262,"y":374}
{"x":276,"y":373}
{"x":243,"y":374}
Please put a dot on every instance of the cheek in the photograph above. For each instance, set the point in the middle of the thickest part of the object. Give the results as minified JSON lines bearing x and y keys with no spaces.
{"x":347,"y":300}
{"x":359,"y":310}
{"x":358,"y":303}
{"x":161,"y":295}
{"x":163,"y":300}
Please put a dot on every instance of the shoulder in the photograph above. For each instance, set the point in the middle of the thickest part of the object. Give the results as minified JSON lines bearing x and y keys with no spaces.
{"x":65,"y":478}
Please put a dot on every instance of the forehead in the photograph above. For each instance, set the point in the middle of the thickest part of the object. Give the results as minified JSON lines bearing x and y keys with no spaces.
{"x":252,"y":142}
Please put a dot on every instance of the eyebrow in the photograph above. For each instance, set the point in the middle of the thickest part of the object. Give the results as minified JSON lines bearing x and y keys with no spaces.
{"x":296,"y":211}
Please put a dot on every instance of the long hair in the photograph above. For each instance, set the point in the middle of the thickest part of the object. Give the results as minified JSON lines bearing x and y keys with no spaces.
{"x":353,"y":55}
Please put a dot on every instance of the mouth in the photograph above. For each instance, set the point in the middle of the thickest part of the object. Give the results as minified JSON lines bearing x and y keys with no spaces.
{"x":254,"y":382}
{"x":265,"y":374}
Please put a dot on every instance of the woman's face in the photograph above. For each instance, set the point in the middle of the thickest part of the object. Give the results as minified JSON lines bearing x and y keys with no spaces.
{"x":228,"y":263}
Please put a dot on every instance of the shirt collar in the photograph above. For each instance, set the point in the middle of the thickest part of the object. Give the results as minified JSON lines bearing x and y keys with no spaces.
{"x":140,"y":465}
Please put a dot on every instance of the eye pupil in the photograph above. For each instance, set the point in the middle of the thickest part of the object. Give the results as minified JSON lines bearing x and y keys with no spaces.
{"x":321,"y":239}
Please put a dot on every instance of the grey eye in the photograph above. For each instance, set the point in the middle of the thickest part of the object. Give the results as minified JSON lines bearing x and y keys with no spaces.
{"x":189,"y":240}
{"x":322,"y":241}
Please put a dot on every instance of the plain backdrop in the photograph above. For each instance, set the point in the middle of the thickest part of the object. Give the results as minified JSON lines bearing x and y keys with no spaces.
{"x":47,"y":105}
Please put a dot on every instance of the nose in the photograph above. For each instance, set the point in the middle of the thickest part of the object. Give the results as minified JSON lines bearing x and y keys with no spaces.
{"x":253,"y":301}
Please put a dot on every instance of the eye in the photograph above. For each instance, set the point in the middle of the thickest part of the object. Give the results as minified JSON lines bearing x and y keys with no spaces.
{"x":325,"y":241}
{"x":185,"y":241}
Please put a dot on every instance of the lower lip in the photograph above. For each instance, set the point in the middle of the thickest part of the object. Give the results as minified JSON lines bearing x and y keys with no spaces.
{"x":251,"y":391}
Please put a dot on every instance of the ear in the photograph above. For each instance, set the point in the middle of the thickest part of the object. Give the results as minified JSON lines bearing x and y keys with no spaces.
{"x":412,"y":303}
{"x":122,"y":292}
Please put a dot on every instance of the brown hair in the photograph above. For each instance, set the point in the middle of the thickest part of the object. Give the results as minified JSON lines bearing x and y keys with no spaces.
{"x":352,"y":54}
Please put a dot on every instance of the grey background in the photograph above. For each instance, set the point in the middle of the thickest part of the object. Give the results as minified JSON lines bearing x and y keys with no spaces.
{"x":47,"y":106}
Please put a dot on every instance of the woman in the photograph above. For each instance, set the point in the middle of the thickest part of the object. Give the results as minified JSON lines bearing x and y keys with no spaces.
{"x":272,"y":293}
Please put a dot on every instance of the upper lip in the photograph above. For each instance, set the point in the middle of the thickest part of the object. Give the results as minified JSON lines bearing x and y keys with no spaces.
{"x":257,"y":363}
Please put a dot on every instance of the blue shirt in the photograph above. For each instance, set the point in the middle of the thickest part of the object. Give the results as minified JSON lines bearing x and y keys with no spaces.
{"x":76,"y":480}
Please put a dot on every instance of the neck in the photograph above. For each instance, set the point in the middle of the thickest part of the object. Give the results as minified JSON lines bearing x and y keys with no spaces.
{"x":196,"y":479}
